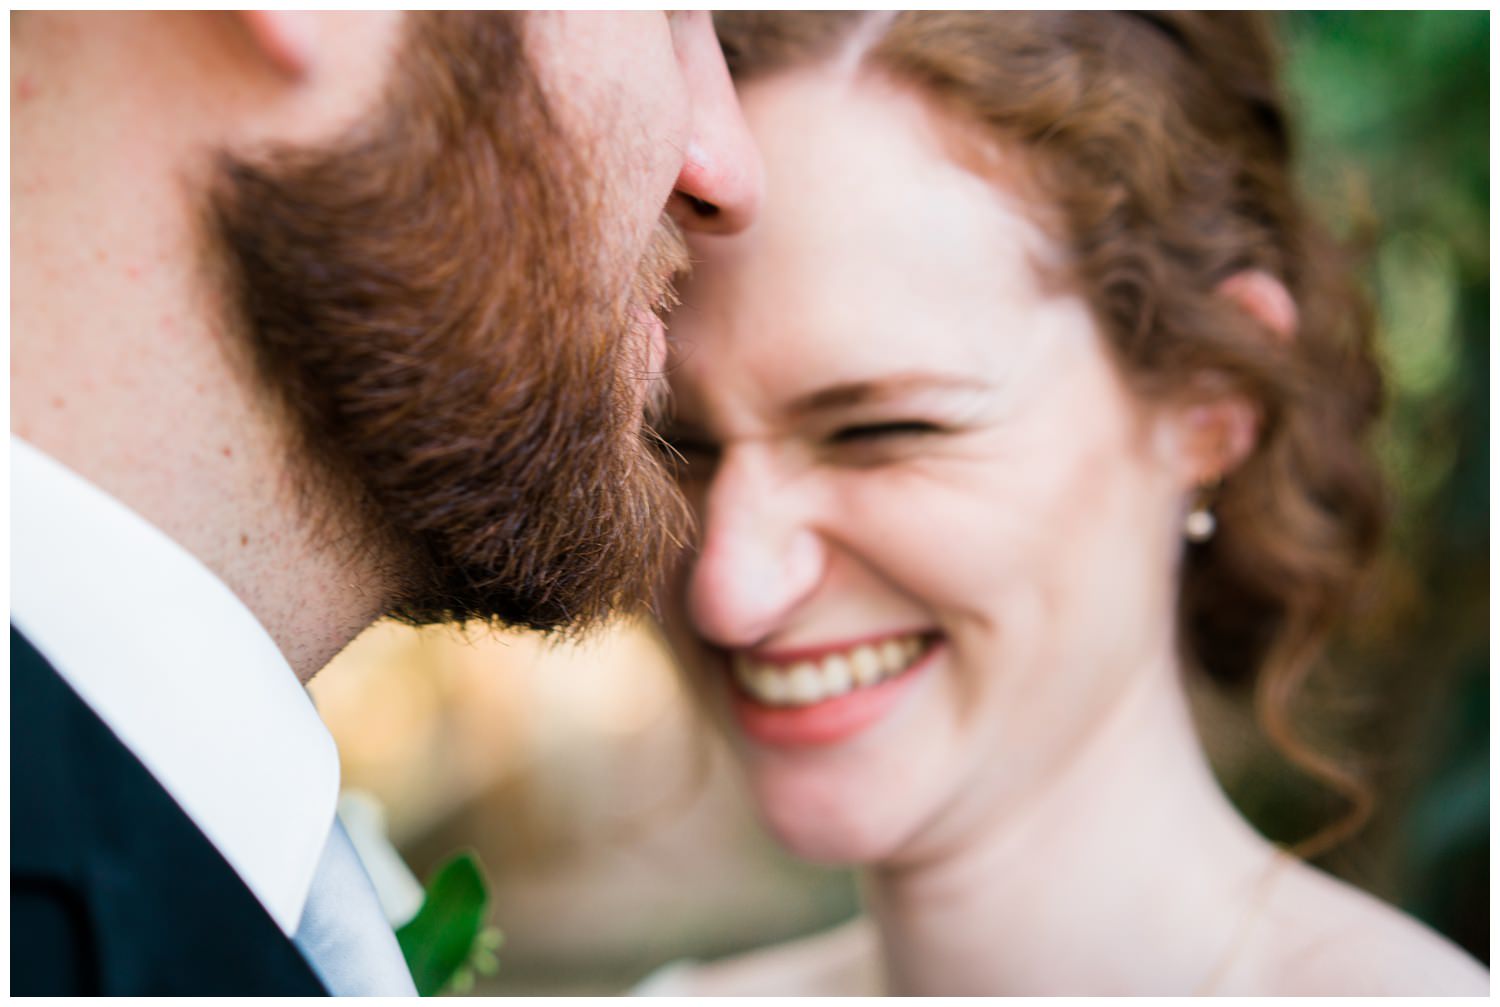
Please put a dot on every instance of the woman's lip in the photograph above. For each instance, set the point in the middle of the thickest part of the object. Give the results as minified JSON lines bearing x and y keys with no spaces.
{"x":816,"y":652}
{"x":831,"y":720}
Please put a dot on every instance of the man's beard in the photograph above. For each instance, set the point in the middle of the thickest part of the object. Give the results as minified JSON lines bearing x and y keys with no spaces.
{"x":442,"y":306}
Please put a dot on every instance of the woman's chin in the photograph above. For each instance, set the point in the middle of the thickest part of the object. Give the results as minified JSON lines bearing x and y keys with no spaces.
{"x":832,"y":850}
{"x":839,"y":785}
{"x":830,"y":829}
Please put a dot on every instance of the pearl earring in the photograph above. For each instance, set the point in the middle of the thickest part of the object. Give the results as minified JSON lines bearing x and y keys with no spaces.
{"x":1200,"y":523}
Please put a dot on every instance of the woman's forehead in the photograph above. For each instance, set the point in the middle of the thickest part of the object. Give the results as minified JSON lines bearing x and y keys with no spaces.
{"x":876,"y":252}
{"x":848,"y":157}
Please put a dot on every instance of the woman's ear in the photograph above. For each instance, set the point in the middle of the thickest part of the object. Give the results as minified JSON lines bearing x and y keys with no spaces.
{"x":1219,"y":426}
{"x":1215,"y":436}
{"x":1265,"y":299}
{"x":287,"y":39}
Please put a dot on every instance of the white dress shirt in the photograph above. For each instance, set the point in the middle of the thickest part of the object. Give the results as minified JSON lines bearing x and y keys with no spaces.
{"x":183,"y":674}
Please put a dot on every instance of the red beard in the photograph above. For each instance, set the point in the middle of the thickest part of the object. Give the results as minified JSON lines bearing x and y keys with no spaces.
{"x":438,"y":305}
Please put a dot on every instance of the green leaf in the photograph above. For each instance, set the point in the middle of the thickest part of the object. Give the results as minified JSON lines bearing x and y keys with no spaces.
{"x":438,"y":941}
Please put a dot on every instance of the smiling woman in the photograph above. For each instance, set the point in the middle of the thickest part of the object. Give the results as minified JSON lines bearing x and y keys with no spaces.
{"x":1031,"y":391}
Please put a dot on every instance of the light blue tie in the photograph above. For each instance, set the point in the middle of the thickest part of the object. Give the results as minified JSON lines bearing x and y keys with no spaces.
{"x":343,"y":933}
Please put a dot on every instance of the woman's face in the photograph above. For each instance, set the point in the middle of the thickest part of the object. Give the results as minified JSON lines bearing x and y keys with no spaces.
{"x":937,"y":537}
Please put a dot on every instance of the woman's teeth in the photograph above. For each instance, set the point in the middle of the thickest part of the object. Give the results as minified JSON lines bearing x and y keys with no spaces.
{"x":802,"y":683}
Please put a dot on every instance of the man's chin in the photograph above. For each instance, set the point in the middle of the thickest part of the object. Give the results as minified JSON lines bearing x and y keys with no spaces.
{"x":433,"y":299}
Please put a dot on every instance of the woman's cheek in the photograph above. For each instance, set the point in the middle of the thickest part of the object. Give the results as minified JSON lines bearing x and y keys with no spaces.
{"x":948,"y":547}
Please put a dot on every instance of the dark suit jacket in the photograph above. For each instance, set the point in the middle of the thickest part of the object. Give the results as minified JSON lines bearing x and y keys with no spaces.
{"x":113,"y":889}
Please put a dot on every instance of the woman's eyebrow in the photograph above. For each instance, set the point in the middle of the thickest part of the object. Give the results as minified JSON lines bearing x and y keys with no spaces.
{"x":857,"y":393}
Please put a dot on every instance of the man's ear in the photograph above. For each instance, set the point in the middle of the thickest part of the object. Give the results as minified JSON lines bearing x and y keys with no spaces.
{"x":287,"y":39}
{"x":1265,"y":299}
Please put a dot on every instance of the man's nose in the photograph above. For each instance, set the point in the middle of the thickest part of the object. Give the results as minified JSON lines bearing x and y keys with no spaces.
{"x":719,"y":189}
{"x":758,"y":557}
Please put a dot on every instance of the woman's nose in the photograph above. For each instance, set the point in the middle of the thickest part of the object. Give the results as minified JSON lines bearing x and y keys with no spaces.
{"x":719,"y":188}
{"x":758,"y":558}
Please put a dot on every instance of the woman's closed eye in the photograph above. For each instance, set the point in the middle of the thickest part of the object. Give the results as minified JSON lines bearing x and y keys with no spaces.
{"x":889,"y":430}
{"x":868,"y":445}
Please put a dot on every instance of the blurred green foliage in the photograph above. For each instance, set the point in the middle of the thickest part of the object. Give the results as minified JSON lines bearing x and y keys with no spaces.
{"x":1392,"y":112}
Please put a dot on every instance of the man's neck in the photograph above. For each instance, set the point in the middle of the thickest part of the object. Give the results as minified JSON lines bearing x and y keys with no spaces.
{"x":1128,"y":873}
{"x":122,"y":370}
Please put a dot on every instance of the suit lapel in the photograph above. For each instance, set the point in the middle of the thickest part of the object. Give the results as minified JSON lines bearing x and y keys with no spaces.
{"x":114,"y":890}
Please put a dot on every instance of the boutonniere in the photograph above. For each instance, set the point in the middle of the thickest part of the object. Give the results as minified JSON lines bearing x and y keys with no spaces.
{"x":447,"y":943}
{"x":443,"y":928}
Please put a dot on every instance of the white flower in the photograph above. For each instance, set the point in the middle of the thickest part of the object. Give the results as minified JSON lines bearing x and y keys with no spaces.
{"x":397,"y":888}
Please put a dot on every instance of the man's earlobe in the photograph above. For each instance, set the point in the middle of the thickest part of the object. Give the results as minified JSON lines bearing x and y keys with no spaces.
{"x":1264,"y":298}
{"x":286,"y":38}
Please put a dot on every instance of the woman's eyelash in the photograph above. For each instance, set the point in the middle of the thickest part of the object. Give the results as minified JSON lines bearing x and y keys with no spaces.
{"x":698,"y":451}
{"x":874,"y":431}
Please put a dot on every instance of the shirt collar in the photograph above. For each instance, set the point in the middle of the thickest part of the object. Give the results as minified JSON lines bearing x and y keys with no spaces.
{"x":180,"y":670}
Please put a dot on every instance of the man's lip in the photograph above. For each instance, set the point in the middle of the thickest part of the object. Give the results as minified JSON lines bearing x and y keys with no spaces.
{"x":815,"y":652}
{"x":656,"y":335}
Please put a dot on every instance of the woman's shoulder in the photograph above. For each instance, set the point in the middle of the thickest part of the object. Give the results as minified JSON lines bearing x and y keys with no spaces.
{"x":1324,"y":936}
{"x":844,"y":961}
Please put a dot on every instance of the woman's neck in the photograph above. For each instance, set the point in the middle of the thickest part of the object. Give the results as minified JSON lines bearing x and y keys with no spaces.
{"x":1129,"y":872}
